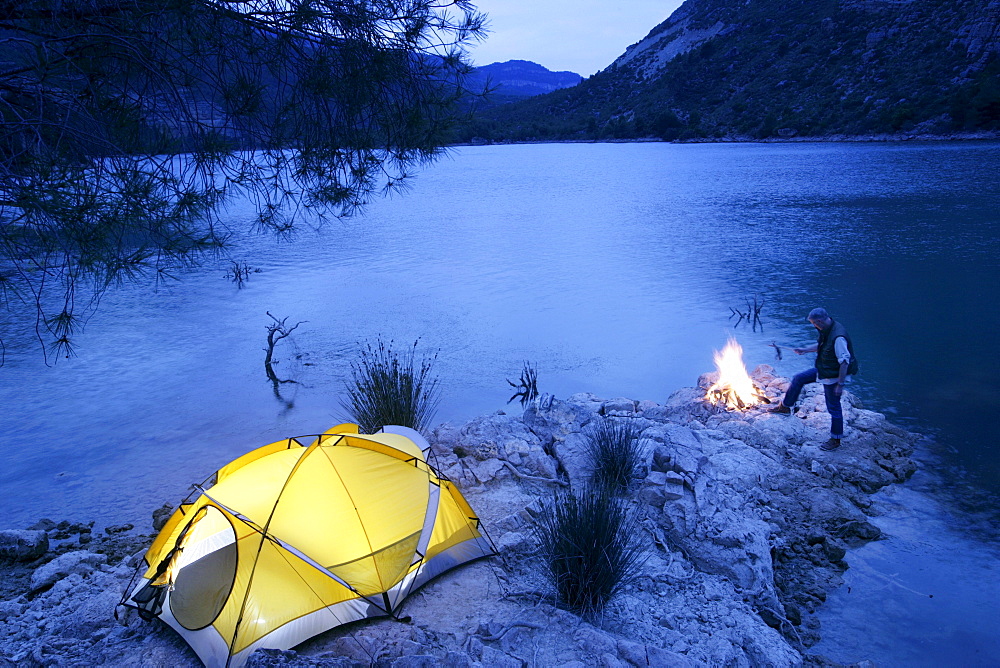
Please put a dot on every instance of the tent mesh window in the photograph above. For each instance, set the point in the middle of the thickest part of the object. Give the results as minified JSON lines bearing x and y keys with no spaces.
{"x":203,"y":585}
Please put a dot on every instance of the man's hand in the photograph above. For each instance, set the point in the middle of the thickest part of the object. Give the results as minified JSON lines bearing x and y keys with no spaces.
{"x":798,"y":351}
{"x":838,"y":389}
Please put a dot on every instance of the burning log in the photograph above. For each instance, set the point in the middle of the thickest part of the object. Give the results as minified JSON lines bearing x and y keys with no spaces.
{"x":734,"y":389}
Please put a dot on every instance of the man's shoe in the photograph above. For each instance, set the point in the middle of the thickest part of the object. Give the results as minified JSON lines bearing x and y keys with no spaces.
{"x":780,"y":409}
{"x":831,"y":444}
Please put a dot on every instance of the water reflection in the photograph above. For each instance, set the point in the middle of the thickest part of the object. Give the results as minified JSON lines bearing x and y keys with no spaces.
{"x":615,"y":266}
{"x":925,"y":595}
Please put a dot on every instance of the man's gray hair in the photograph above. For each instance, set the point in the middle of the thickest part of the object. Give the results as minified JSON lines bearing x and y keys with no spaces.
{"x":818,"y":314}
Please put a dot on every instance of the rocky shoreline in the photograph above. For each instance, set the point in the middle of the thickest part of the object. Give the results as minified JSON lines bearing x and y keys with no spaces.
{"x":748,"y":526}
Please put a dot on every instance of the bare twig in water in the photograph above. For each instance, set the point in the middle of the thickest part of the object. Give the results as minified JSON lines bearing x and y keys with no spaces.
{"x":751,"y":315}
{"x":240,"y":272}
{"x":527,"y":388}
{"x":755,"y":309}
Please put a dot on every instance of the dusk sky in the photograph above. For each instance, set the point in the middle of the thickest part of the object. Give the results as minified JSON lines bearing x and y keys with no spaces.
{"x":581,"y":36}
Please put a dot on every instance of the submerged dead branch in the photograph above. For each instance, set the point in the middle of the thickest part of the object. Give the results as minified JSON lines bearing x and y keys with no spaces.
{"x":751,"y":315}
{"x":527,"y":387}
{"x":276,"y":331}
{"x":239,"y":272}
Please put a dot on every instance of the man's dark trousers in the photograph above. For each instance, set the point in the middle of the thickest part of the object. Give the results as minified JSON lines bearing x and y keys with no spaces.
{"x":829,"y":391}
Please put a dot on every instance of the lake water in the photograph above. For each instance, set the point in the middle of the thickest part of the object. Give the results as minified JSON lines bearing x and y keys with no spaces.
{"x":613,"y":269}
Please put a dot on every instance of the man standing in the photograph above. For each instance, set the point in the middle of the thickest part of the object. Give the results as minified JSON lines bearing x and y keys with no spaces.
{"x":835,"y":364}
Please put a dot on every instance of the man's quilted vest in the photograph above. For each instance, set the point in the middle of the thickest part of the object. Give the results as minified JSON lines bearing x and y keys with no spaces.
{"x":826,"y":354}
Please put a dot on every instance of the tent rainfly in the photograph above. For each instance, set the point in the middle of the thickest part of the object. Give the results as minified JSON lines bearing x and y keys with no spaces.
{"x":303,"y":535}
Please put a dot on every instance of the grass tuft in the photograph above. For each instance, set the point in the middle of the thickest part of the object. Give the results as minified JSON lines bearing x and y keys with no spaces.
{"x":590,"y":544}
{"x":615,"y":450}
{"x":389,"y":387}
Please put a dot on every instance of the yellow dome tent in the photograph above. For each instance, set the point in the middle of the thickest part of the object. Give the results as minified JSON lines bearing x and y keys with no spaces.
{"x":303,"y":535}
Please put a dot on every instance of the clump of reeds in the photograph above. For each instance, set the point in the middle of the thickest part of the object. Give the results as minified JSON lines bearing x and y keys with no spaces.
{"x":590,"y":545}
{"x":615,"y":451}
{"x":389,"y":387}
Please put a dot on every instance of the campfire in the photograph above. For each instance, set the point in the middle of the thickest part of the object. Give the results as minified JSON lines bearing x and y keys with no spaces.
{"x":734,"y":390}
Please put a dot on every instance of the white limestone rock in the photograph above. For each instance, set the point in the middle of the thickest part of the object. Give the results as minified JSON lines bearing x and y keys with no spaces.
{"x":79,"y":562}
{"x":23,"y":545}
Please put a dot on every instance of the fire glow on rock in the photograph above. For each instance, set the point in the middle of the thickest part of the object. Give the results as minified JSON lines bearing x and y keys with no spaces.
{"x":734,"y":390}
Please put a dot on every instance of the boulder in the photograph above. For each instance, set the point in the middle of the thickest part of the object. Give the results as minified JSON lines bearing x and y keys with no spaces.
{"x":571,"y":452}
{"x":487,"y":470}
{"x":594,"y":641}
{"x":161,"y":515}
{"x":539,"y":464}
{"x":455,"y":659}
{"x":416,"y":661}
{"x":11,"y":609}
{"x":117,"y":528}
{"x":673,"y":486}
{"x":23,"y":545}
{"x":80,"y":562}
{"x":557,"y":420}
{"x":620,"y":406}
{"x":664,"y":658}
{"x":496,"y":659}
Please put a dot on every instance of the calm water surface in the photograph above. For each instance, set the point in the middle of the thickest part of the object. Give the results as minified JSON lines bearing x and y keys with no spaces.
{"x":613,"y":269}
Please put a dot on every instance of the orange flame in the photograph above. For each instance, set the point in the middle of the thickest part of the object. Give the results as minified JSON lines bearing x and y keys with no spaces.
{"x":734,"y":389}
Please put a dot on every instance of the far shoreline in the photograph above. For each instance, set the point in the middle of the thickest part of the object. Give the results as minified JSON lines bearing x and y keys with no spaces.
{"x":884,"y":138}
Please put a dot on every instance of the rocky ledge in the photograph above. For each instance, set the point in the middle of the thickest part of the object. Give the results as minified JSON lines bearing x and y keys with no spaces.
{"x":748,"y":526}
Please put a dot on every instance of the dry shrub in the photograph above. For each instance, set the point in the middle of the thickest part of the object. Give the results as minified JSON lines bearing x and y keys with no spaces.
{"x":615,"y":450}
{"x":590,"y":543}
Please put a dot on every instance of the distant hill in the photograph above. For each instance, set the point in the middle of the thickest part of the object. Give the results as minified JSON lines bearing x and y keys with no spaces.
{"x":782,"y":68}
{"x":518,"y":79}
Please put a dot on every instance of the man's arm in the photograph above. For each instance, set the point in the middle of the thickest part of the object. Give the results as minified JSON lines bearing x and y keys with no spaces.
{"x":809,"y":349}
{"x":844,"y":357}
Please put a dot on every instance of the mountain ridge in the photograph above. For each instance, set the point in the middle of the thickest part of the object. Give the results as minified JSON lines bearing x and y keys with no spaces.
{"x":514,"y":80}
{"x":728,"y":69}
